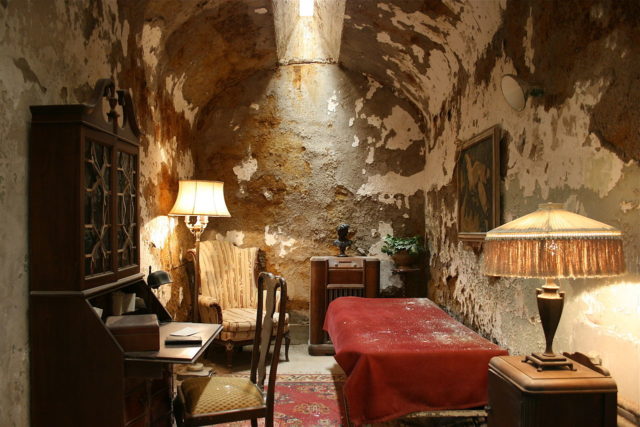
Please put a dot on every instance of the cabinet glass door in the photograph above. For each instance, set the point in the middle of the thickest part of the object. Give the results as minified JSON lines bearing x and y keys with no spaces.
{"x":97,"y":208}
{"x":127,"y":224}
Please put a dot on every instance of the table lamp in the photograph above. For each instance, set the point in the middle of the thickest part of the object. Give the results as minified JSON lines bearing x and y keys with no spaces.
{"x":553,"y":243}
{"x":158,"y":278}
{"x":199,"y":199}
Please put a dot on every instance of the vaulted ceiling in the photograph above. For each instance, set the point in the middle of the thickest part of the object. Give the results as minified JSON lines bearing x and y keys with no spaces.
{"x":422,"y":48}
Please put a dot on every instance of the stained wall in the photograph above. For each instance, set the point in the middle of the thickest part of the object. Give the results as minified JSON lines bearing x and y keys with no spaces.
{"x":34,"y":72}
{"x":53,"y":52}
{"x":304,"y":148}
{"x":577,"y":144}
{"x":371,"y":141}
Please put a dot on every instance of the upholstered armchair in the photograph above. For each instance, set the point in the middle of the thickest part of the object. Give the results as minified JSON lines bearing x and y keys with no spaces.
{"x":226,"y":287}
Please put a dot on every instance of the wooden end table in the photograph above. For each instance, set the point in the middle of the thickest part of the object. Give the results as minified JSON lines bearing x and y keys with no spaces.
{"x":522,"y":396}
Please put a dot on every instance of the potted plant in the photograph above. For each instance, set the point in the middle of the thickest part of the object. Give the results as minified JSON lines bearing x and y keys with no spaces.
{"x":403,"y":250}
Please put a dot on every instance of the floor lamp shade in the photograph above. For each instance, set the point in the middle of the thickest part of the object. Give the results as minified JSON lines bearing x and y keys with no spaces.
{"x":553,"y":243}
{"x":201,"y":199}
{"x":204,"y":198}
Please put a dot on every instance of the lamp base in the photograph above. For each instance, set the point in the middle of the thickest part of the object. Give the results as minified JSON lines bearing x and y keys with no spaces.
{"x":543,"y":362}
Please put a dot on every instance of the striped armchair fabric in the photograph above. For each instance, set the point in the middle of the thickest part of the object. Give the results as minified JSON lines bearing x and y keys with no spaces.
{"x":226,"y":277}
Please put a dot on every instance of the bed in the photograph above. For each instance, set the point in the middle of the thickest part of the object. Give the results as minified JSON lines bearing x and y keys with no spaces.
{"x":406,"y":355}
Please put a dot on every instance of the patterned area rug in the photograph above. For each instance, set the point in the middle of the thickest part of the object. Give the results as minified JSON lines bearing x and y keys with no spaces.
{"x":307,"y":400}
{"x":312,"y":400}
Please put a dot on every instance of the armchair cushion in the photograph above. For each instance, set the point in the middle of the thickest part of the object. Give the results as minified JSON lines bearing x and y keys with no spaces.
{"x":239,"y":324}
{"x":239,"y":320}
{"x":228,"y":273}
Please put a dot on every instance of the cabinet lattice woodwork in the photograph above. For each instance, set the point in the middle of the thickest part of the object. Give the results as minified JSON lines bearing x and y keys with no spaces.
{"x":83,"y":189}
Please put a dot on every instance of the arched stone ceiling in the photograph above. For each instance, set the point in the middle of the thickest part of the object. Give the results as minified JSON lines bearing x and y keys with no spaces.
{"x":202,"y":46}
{"x":422,"y":48}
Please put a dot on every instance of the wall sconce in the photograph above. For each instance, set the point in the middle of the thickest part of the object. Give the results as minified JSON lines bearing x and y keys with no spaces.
{"x":516,"y":91}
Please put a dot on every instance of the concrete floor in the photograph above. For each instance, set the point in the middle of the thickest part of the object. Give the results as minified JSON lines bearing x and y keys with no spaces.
{"x":300,"y":362}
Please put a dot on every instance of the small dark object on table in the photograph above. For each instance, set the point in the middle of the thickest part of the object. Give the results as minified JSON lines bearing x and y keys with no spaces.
{"x":343,"y":241}
{"x":192,"y":340}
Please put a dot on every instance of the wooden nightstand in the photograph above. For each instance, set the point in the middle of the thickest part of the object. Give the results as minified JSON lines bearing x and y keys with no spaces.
{"x":521,"y":396}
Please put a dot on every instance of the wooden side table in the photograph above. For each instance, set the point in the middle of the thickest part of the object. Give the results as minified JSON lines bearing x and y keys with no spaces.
{"x":333,"y":277}
{"x":521,"y":396}
{"x":403,"y":273}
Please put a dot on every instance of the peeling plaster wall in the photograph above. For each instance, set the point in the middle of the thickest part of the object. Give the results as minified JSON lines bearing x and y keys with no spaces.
{"x":421,"y":48}
{"x":52,"y":52}
{"x":577,"y":145}
{"x":303,"y":149}
{"x":166,"y":117}
{"x":182,"y":54}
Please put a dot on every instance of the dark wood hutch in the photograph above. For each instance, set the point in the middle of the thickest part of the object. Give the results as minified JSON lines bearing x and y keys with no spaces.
{"x":83,"y":247}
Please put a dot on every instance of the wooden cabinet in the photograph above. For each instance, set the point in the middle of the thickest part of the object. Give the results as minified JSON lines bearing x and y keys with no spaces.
{"x":333,"y":277}
{"x":83,"y":193}
{"x":521,"y":396}
{"x":83,"y":248}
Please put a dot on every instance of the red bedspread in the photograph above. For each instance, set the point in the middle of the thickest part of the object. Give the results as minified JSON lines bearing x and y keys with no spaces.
{"x":404,"y":355}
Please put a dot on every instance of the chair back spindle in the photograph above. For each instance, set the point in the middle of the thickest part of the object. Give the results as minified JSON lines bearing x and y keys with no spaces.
{"x":271,"y":290}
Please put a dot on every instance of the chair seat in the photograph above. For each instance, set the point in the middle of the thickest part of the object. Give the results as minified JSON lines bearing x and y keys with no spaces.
{"x":239,"y":324}
{"x":217,"y":394}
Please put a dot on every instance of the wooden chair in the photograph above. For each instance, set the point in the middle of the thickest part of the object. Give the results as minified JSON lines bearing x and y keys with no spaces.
{"x":204,"y":401}
{"x":225,"y":279}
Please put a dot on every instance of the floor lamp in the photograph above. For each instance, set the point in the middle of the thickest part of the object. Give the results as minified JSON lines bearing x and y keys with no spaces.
{"x":553,"y":243}
{"x":197,"y":201}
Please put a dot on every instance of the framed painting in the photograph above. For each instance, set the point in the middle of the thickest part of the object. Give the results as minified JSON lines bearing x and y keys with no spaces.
{"x":478,"y":176}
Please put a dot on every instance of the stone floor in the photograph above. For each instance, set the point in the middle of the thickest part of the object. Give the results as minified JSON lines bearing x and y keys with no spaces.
{"x":300,"y":362}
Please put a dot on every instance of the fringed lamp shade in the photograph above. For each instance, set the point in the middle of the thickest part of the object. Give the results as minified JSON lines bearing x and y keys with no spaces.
{"x":552,"y":242}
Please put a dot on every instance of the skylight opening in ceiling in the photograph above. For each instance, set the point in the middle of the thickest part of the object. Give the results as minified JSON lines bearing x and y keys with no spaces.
{"x":306,"y":7}
{"x":308,"y":31}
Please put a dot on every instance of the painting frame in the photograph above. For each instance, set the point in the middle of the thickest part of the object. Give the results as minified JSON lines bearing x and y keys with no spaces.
{"x":478,"y":185}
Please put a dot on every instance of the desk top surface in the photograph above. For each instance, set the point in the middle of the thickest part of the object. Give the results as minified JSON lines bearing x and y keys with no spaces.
{"x":178,"y":354}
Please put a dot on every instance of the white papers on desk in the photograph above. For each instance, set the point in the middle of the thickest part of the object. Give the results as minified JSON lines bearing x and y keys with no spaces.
{"x":184,"y":332}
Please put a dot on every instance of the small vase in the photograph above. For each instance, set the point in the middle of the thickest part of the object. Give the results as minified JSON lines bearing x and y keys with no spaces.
{"x":404,"y":259}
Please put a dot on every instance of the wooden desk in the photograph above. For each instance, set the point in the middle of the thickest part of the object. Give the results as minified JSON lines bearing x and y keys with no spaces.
{"x":84,"y":246}
{"x":178,"y":354}
{"x":80,"y":376}
{"x":520,"y":395}
{"x":149,"y":375}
